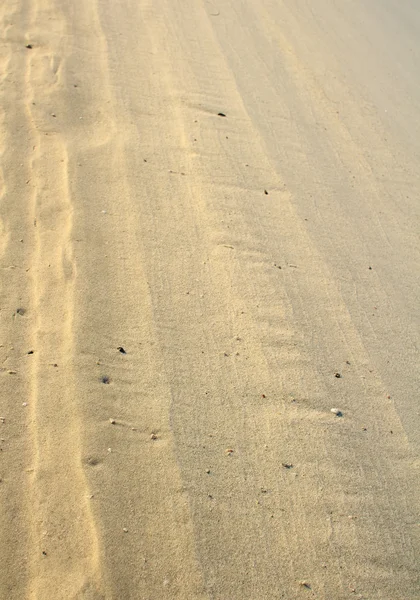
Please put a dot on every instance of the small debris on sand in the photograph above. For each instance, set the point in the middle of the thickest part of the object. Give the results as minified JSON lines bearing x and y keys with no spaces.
{"x":153,"y":436}
{"x":121,"y":349}
{"x":337,"y":412}
{"x":287,"y":465}
{"x":221,"y":114}
{"x":338,"y":375}
{"x":305,"y":584}
{"x":112,"y":421}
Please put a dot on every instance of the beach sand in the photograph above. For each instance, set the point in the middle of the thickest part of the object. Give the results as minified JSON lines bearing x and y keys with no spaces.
{"x":209,"y":239}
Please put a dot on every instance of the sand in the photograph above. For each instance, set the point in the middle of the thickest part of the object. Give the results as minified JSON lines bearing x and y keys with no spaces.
{"x":209,"y":238}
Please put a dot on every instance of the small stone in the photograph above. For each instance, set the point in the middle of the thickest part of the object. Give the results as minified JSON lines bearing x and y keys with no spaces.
{"x":337,"y":412}
{"x":121,"y":349}
{"x":229,"y":451}
{"x":24,"y":404}
{"x":2,"y":419}
{"x":287,"y":465}
{"x":53,"y":115}
{"x":208,"y":471}
{"x":153,"y":436}
{"x":112,"y":421}
{"x":338,"y":375}
{"x":12,"y":372}
{"x":109,"y":449}
{"x":220,"y":114}
{"x":20,"y":311}
{"x":29,"y":46}
{"x":125,"y":529}
{"x":305,"y":584}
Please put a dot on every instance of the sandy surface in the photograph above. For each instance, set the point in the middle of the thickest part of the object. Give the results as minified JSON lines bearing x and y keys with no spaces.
{"x":186,"y":296}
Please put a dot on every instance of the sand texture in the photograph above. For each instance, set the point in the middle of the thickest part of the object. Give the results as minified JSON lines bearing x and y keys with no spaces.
{"x":209,"y":238}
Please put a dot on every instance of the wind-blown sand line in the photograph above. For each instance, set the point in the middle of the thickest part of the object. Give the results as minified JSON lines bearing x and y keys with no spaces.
{"x":15,"y":309}
{"x":65,"y":546}
{"x":65,"y":553}
{"x":137,"y":485}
